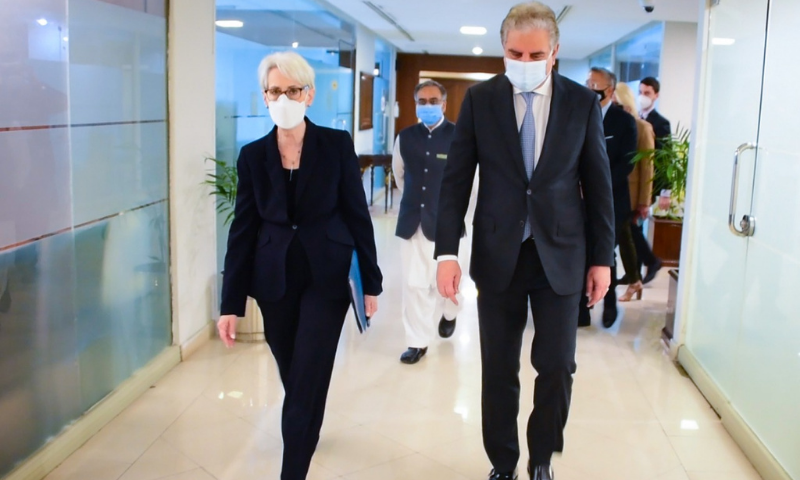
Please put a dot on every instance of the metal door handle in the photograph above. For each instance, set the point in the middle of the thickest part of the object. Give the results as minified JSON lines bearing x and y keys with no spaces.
{"x":748,"y":222}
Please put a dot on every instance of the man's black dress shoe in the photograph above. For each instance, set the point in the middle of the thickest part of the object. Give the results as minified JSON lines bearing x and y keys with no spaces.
{"x":447,"y":327}
{"x":502,"y":476}
{"x":609,"y":317}
{"x":412,"y":355}
{"x":652,"y":270}
{"x":541,"y":472}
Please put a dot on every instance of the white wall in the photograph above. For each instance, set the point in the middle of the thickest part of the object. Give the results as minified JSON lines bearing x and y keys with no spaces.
{"x":678,"y":73}
{"x":365,"y":62}
{"x":192,"y":139}
{"x":576,"y":70}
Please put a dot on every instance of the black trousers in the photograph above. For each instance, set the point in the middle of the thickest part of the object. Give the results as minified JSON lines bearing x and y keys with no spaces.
{"x":502,"y":319}
{"x":643,"y":252}
{"x":302,"y":330}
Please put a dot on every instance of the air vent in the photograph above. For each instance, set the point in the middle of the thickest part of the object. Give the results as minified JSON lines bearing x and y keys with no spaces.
{"x":389,"y":18}
{"x":563,"y":13}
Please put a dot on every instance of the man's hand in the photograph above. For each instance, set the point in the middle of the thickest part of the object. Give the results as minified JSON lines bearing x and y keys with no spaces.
{"x":226,"y":326}
{"x":448,"y":278}
{"x":370,"y":305}
{"x":598,"y":282}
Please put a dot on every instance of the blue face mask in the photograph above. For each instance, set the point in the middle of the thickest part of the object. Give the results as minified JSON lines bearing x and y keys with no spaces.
{"x":430,"y":114}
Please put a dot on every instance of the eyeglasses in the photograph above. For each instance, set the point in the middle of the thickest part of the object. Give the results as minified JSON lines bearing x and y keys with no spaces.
{"x":596,"y":86}
{"x":293,"y":93}
{"x":432,"y":101}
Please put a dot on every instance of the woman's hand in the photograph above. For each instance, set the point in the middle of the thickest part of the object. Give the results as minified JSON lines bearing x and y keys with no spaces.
{"x":370,"y":305}
{"x":226,"y":326}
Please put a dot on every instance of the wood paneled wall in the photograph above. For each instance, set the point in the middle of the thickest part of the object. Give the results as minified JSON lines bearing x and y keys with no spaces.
{"x":409,"y":66}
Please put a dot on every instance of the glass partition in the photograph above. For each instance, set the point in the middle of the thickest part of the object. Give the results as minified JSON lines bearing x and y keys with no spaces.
{"x":84,"y":253}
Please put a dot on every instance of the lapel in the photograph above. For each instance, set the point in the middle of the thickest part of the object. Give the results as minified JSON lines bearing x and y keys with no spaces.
{"x":308,"y":158}
{"x":561,"y":106}
{"x":506,"y":117}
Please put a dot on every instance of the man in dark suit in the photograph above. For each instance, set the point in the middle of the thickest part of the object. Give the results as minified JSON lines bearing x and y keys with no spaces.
{"x":621,"y":137}
{"x":649,"y":90}
{"x":544,"y":206}
{"x":418,"y":161}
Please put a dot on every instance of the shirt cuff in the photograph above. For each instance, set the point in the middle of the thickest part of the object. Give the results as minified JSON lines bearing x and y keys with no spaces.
{"x":444,"y":258}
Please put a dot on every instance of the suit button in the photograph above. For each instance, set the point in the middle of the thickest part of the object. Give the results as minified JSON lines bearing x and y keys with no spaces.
{"x":429,"y":136}
{"x":427,"y":153}
{"x":426,"y":170}
{"x":528,"y":192}
{"x":424,"y":188}
{"x":522,"y":223}
{"x":294,"y":227}
{"x":423,"y":205}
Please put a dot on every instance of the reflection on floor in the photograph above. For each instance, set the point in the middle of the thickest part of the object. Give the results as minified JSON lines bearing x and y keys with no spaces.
{"x":216,"y":416}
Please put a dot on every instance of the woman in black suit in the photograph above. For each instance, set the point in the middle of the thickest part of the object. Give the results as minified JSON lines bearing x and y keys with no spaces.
{"x":300,"y":212}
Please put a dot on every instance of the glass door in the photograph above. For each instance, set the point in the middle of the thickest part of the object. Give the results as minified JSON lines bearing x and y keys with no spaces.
{"x":767,"y":391}
{"x":729,"y":122}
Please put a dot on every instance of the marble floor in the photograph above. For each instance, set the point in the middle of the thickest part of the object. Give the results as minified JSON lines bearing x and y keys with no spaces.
{"x":634,"y":415}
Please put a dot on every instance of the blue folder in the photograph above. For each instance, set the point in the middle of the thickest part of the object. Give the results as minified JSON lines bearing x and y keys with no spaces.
{"x":357,"y":295}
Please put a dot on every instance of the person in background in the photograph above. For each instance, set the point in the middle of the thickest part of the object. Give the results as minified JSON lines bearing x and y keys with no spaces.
{"x":537,"y":139}
{"x":641,"y":188}
{"x":649,"y":91}
{"x":418,"y":161}
{"x":300,"y":212}
{"x":620,"y":136}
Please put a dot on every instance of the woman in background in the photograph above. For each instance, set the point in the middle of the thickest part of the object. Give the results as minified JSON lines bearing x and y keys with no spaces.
{"x":640,"y":182}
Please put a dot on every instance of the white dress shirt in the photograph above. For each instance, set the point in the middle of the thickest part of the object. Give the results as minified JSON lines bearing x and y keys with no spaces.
{"x":541,"y":115}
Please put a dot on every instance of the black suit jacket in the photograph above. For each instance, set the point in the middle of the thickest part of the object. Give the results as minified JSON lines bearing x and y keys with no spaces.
{"x":621,"y":141}
{"x":661,"y":125}
{"x":569,"y":194}
{"x":331,"y":219}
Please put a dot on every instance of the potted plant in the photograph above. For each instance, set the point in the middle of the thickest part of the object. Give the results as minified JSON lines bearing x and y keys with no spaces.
{"x":671,"y":164}
{"x":223,"y":183}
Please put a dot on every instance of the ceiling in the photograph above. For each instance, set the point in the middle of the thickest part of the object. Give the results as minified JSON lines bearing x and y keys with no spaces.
{"x":589,"y":26}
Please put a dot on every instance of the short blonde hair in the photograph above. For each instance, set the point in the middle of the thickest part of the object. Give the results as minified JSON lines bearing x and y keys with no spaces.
{"x":625,"y":97}
{"x":531,"y":15}
{"x":291,"y":64}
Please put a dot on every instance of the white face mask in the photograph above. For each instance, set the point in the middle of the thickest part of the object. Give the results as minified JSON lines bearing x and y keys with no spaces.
{"x":526,"y":76}
{"x":645,"y":102}
{"x":286,"y":113}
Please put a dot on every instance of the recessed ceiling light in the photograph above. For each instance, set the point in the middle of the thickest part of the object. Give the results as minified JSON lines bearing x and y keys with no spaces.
{"x":466,"y":30}
{"x":42,"y":21}
{"x":723,"y":41}
{"x":230,"y":23}
{"x":295,"y":44}
{"x":66,"y":39}
{"x":477,"y":50}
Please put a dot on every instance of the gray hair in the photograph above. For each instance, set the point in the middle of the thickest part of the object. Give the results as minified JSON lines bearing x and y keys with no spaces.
{"x":607,"y":74}
{"x":430,"y":83}
{"x":291,"y":64}
{"x":531,"y":15}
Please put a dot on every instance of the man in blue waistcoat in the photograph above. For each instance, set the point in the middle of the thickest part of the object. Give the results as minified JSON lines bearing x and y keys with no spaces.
{"x":418,"y":161}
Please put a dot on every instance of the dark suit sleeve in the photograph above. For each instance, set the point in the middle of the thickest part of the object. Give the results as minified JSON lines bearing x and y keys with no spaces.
{"x":661,"y":128}
{"x":621,"y":167}
{"x":354,"y":210}
{"x":242,"y":238}
{"x":596,"y":182}
{"x":459,"y":175}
